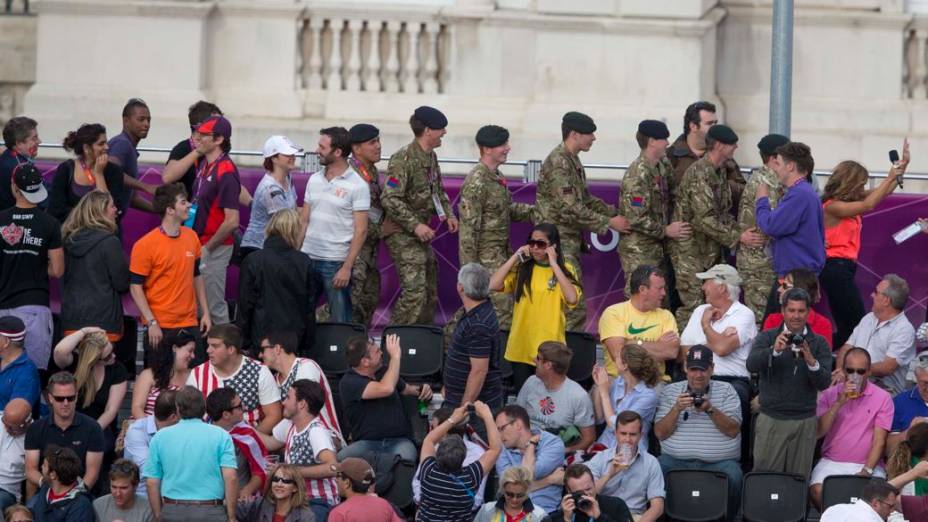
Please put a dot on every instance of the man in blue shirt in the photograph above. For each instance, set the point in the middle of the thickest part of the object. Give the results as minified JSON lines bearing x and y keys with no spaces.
{"x":911,"y":406}
{"x":191,"y":467}
{"x":139,"y":435}
{"x":797,"y":226}
{"x":136,"y":120}
{"x":19,"y":377}
{"x":539,"y":451}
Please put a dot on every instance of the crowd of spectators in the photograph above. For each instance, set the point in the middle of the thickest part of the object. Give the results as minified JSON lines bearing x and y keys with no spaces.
{"x":231,"y":418}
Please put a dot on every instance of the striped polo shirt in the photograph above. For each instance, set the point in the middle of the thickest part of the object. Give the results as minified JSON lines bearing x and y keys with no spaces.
{"x":696,"y":436}
{"x":476,"y":335}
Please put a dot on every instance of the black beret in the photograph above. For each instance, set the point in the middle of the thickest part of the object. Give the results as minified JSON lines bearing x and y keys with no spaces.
{"x":431,"y":117}
{"x":723,"y":134}
{"x":769,"y":143}
{"x":579,"y":122}
{"x":654,"y":129}
{"x":492,"y":136}
{"x":363,"y":132}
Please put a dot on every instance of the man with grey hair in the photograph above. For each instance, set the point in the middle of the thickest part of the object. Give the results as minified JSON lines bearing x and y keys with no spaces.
{"x":472,"y":363}
{"x":726,"y":327}
{"x":886,"y":334}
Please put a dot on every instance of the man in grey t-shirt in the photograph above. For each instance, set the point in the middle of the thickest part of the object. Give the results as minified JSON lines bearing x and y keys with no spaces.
{"x":699,"y":424}
{"x":556,"y":403}
{"x":123,"y":504}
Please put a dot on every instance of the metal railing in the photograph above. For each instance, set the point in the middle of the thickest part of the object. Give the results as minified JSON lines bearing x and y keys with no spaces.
{"x":530,"y":168}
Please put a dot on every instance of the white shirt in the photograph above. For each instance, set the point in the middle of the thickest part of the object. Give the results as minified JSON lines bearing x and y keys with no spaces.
{"x":739,"y":317}
{"x":138,"y":439}
{"x":12,"y":461}
{"x":891,"y":338}
{"x":332,"y":205}
{"x":474,"y":452}
{"x":859,"y":511}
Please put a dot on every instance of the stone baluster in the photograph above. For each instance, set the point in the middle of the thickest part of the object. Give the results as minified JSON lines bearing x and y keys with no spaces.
{"x":316,"y":25}
{"x":443,"y":53}
{"x":371,"y":75}
{"x":353,"y":68}
{"x":334,"y":82}
{"x":920,"y":72}
{"x":411,"y":67}
{"x":430,"y":73}
{"x":391,"y":70}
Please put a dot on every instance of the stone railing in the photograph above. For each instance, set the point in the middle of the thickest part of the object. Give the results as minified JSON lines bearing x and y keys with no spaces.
{"x":373,"y":52}
{"x":915,"y":62}
{"x":15,"y":7}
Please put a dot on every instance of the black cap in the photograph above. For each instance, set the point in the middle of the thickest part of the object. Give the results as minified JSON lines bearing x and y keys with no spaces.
{"x":769,"y":143}
{"x":12,"y":328}
{"x":654,"y":129}
{"x":29,"y":182}
{"x":699,"y":356}
{"x":492,"y":136}
{"x":363,"y":132}
{"x":431,"y":117}
{"x":723,"y":134}
{"x":579,"y":122}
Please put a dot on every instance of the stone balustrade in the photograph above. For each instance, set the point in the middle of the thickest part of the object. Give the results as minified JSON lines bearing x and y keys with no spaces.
{"x":915,"y":59}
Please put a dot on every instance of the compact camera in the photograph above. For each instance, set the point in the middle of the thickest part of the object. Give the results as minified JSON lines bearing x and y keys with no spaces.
{"x":582,"y":504}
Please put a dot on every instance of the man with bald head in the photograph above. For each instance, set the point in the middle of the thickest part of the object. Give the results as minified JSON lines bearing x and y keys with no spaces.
{"x":16,"y":417}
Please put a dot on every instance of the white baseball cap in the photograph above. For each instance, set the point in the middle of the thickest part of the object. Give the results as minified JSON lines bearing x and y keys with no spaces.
{"x":280,"y":145}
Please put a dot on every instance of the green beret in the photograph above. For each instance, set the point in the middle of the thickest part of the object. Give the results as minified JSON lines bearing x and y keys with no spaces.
{"x":769,"y":143}
{"x":579,"y":122}
{"x":431,"y":117}
{"x":654,"y":129}
{"x":723,"y":134}
{"x":363,"y":132}
{"x":492,"y":136}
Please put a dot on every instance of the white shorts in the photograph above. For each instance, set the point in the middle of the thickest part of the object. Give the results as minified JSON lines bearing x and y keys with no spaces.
{"x":826,"y":468}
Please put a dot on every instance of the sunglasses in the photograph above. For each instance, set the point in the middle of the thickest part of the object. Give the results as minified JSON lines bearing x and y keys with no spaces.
{"x":266,"y":346}
{"x":282,"y":480}
{"x":501,"y":428}
{"x":64,"y":398}
{"x":852,"y":371}
{"x":514,"y":496}
{"x":537,"y":243}
{"x":236,"y":407}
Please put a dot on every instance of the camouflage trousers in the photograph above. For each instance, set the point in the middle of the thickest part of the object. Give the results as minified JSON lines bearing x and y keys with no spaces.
{"x":757,"y":279}
{"x":417,"y":270}
{"x":686,"y":265}
{"x":365,"y":283}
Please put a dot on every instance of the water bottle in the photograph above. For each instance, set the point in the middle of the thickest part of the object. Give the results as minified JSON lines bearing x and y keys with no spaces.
{"x":423,"y":407}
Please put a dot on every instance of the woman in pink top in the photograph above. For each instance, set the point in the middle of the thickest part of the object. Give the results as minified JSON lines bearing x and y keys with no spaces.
{"x":844,"y":200}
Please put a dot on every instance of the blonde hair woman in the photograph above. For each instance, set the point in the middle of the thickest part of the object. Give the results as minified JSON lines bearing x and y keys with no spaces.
{"x":101,"y":379}
{"x":513,"y":499}
{"x":284,"y":496}
{"x":278,"y":287}
{"x":633,"y":389}
{"x":17,"y":513}
{"x":95,"y":268}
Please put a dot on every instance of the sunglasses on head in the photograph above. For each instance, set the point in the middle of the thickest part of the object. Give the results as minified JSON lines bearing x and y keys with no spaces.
{"x":64,"y":398}
{"x":537,"y":243}
{"x":282,"y":480}
{"x":858,"y":371}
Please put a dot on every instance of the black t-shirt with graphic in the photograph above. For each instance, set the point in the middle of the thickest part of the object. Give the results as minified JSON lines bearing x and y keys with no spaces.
{"x":26,"y":236}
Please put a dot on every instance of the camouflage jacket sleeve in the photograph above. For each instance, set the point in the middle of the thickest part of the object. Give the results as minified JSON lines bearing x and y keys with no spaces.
{"x":746,"y":213}
{"x":521,"y":212}
{"x":597,"y":205}
{"x":471,"y":216}
{"x":707,"y":218}
{"x":440,"y":186}
{"x":566,"y":195}
{"x":637,"y":201}
{"x":393,"y":197}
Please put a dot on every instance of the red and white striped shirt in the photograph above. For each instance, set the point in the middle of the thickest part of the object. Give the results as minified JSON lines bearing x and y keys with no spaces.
{"x":252,"y":381}
{"x":302,"y":448}
{"x":248,"y":443}
{"x":303,"y":368}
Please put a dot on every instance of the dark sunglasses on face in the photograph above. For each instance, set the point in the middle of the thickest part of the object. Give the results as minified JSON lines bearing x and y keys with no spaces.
{"x":858,"y":371}
{"x":514,"y":496}
{"x":537,"y":243}
{"x":64,"y":398}
{"x":282,"y":480}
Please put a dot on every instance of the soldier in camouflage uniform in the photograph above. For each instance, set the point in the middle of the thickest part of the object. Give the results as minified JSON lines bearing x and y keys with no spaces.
{"x":486,"y":210}
{"x":645,"y":200}
{"x":412,"y":194}
{"x":702,"y":200}
{"x":365,"y":276}
{"x":755,"y":263}
{"x":563,"y":199}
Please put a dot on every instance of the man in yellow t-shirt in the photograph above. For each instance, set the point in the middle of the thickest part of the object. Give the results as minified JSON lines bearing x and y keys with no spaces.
{"x":640,"y":320}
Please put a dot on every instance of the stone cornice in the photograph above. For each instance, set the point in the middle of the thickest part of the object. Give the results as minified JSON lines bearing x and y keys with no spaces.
{"x":158,"y":8}
{"x":825,"y":17}
{"x":276,"y":9}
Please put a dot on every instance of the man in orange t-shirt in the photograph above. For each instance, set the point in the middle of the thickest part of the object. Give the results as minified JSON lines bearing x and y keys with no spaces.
{"x":166,"y":284}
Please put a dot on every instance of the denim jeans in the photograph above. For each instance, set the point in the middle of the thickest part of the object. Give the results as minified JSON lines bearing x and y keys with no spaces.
{"x":398,"y":446}
{"x":320,"y":509}
{"x":7,"y":499}
{"x":339,"y":298}
{"x":731,"y":468}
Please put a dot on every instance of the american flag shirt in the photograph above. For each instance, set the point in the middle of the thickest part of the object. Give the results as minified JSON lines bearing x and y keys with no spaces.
{"x":252,"y":381}
{"x":302,"y":448}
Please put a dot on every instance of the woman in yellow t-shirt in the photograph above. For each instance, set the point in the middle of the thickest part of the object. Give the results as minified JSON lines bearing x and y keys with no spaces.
{"x":541,"y":286}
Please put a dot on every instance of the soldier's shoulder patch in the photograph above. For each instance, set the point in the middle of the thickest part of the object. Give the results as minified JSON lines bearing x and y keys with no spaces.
{"x":393,"y":182}
{"x":637,"y":201}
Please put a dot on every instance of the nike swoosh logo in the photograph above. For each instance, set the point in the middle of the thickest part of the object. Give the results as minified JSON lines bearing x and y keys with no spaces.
{"x":635,"y":331}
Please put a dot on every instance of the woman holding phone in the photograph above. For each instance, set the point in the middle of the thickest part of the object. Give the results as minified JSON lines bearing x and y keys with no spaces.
{"x":542,"y":284}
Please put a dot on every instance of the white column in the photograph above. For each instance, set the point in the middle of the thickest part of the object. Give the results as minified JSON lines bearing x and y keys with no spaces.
{"x":353,"y":70}
{"x":316,"y":24}
{"x":920,"y":72}
{"x":372,"y":68}
{"x":334,"y":73}
{"x":411,"y":67}
{"x":391,"y":70}
{"x":430,"y":76}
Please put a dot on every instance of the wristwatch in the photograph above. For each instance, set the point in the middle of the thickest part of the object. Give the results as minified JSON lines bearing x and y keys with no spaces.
{"x":710,"y":411}
{"x":639,"y":342}
{"x":153,"y":322}
{"x":868,"y":470}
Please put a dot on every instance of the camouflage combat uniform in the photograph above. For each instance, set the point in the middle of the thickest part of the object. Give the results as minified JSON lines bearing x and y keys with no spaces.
{"x":563,"y":199}
{"x":702,"y":200}
{"x":681,"y":157}
{"x":755,"y":264}
{"x":365,"y":276}
{"x":413,"y":177}
{"x":645,"y":201}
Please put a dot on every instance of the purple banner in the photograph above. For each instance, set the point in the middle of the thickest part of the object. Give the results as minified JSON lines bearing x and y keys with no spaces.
{"x":603,"y":279}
